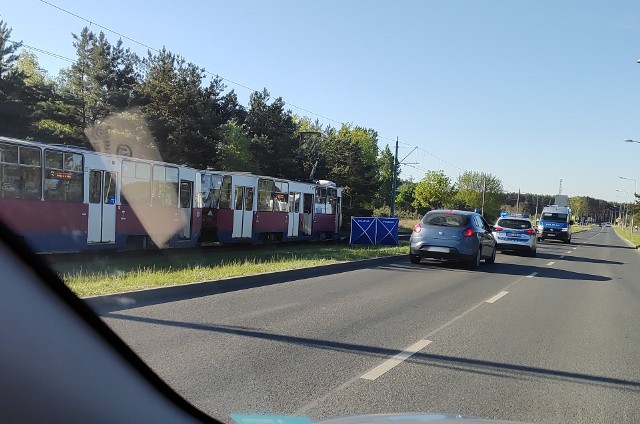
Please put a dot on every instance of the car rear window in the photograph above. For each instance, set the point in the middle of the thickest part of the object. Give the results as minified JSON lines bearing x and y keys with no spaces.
{"x":514,"y":223}
{"x":446,"y":219}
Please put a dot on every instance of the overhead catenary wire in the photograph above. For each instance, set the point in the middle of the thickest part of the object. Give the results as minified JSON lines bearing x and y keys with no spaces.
{"x":27,"y":46}
{"x":236,"y":83}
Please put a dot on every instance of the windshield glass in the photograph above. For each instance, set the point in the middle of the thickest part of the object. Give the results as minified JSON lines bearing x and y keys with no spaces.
{"x":554,"y":217}
{"x":446,"y":219}
{"x":514,"y":224}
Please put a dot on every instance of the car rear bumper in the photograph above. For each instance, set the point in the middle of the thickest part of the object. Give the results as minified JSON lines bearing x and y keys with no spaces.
{"x":515,"y":247}
{"x":441,"y":252}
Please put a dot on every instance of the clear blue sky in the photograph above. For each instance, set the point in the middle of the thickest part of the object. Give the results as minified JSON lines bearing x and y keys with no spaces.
{"x":531,"y":92}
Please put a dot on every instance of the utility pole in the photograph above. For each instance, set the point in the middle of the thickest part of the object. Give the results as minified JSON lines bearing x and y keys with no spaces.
{"x":394,"y":184}
{"x":484,"y":188}
{"x":518,"y":202}
{"x":536,"y":216}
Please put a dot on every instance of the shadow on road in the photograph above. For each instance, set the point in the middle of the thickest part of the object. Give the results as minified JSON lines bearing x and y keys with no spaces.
{"x":507,"y":268}
{"x":469,"y":365}
{"x":607,"y":245}
{"x":569,"y":257}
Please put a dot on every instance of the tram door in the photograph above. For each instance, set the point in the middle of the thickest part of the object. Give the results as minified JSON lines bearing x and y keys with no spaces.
{"x":294,"y":214}
{"x":102,"y":207}
{"x":307,"y":214}
{"x":186,"y":203}
{"x":243,"y":194}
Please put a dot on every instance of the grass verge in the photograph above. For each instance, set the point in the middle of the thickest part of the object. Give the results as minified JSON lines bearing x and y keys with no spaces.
{"x":579,"y":228}
{"x":104,"y":276}
{"x":407,"y":224}
{"x":632,"y":237}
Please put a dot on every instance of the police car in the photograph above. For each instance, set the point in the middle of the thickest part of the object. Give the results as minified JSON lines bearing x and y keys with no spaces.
{"x":514,"y":232}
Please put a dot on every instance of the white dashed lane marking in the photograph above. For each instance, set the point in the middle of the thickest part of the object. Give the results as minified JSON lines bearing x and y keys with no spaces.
{"x":496,"y":297}
{"x":395,"y":360}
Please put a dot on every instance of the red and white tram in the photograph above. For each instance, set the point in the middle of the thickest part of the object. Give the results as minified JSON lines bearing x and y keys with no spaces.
{"x":67,"y":199}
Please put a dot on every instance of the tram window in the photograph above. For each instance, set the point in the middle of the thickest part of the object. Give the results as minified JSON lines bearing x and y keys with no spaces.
{"x":265,"y":195}
{"x":332,"y":198}
{"x":165,"y":186}
{"x":281,"y":197}
{"x":321,"y":199}
{"x":136,"y":183}
{"x":20,"y":181}
{"x":8,"y":153}
{"x":185,"y":194}
{"x":214,"y":190}
{"x":143,"y":171}
{"x":110,"y":179}
{"x":29,"y":156}
{"x":238,"y":198}
{"x":32,"y":178}
{"x":248,"y":199}
{"x":294,"y":202}
{"x":53,"y":159}
{"x":63,"y":177}
{"x":73,"y":162}
{"x":95,"y":185}
{"x":225,"y":193}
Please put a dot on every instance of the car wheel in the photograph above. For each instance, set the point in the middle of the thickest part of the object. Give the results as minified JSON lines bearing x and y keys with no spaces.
{"x":533,"y":253}
{"x":415,"y":259}
{"x":567,"y":241}
{"x":492,"y":259}
{"x":475,"y":262}
{"x":540,"y":239}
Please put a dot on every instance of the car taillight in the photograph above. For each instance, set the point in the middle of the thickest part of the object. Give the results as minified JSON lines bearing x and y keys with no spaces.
{"x":498,"y":228}
{"x":530,"y":232}
{"x":468,"y":232}
{"x":417,"y":228}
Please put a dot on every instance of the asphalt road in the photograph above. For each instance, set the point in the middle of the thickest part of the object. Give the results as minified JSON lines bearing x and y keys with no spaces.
{"x":560,"y":341}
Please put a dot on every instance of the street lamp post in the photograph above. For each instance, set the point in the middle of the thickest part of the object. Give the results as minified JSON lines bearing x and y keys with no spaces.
{"x":626,"y":213}
{"x":633,"y":211}
{"x":620,"y":212}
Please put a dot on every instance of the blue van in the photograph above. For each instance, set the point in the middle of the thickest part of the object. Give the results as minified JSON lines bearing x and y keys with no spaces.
{"x":555,"y":223}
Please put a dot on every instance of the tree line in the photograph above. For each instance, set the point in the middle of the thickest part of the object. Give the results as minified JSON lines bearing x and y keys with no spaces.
{"x":163,"y":107}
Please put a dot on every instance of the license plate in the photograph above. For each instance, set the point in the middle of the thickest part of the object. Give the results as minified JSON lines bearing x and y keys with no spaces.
{"x":551,"y":235}
{"x":516,"y":235}
{"x":439,"y":249}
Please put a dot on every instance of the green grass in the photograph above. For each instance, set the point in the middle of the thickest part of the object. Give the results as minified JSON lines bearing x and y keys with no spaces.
{"x":632,"y":237}
{"x":407,"y":224}
{"x":578,"y":228}
{"x":109,"y":275}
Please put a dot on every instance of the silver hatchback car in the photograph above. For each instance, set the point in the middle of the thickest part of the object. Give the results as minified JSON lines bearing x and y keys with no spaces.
{"x":453,"y":235}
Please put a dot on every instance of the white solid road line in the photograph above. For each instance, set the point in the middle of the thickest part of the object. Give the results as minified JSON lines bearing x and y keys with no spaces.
{"x":395,"y":360}
{"x":550,"y":263}
{"x":569,"y":251}
{"x":496,"y":297}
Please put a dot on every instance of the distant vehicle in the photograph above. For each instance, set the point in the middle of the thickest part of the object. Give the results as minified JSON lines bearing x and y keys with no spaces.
{"x":555,"y":223}
{"x":453,"y":235}
{"x":514,"y":232}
